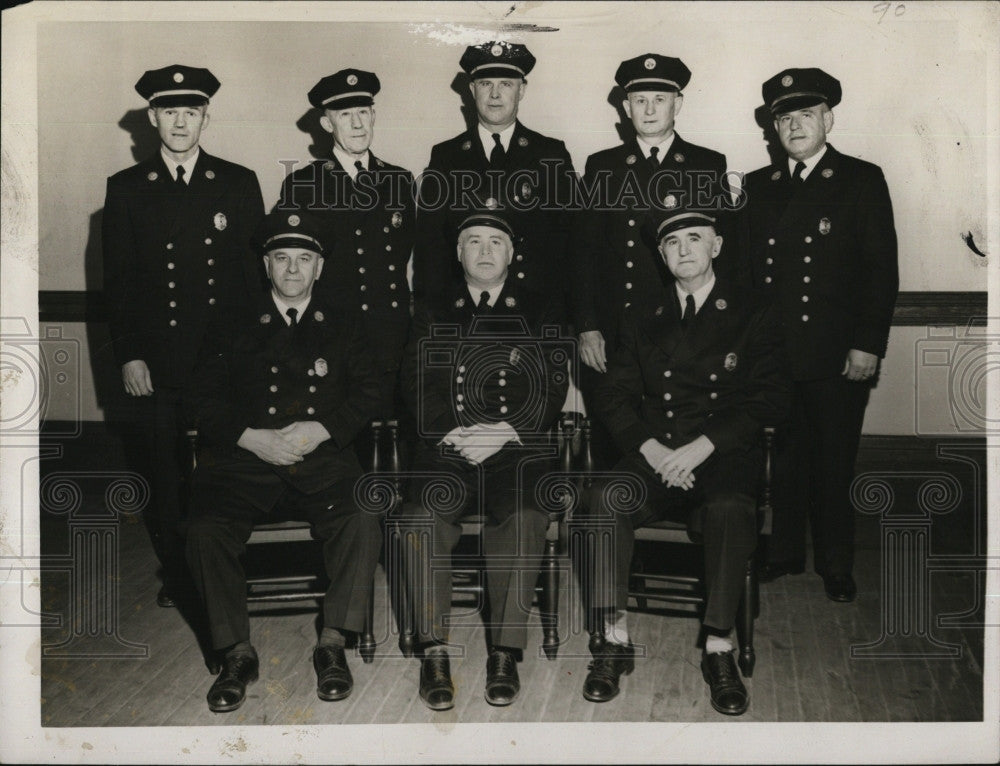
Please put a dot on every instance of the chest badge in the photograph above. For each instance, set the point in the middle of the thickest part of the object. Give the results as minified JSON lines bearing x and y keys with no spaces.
{"x":824,"y":225}
{"x":526,"y":191}
{"x":320,"y":367}
{"x":397,"y":220}
{"x":220,"y":221}
{"x":515,"y":357}
{"x":630,"y":160}
{"x":730,"y":363}
{"x":265,"y":319}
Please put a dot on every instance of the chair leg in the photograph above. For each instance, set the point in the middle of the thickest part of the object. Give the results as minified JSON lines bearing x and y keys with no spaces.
{"x":749,"y":609}
{"x":366,"y":644}
{"x":404,"y":609}
{"x":548,"y":603}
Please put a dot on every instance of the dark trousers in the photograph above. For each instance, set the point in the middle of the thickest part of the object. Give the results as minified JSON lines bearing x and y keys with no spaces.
{"x":351,"y":543}
{"x":513,"y":538}
{"x":720,"y":511}
{"x":813,"y":474}
{"x":603,"y":448}
{"x":169,"y":460}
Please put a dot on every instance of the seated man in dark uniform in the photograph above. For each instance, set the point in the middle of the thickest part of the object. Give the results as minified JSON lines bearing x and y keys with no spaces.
{"x":485,"y":382}
{"x":685,"y":396}
{"x":284,"y":388}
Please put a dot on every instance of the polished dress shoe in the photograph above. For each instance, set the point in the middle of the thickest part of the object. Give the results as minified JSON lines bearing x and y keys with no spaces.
{"x":840,"y":587}
{"x":608,"y":666}
{"x":769,"y":572}
{"x":729,"y":695}
{"x":436,"y":688}
{"x":333,"y":677}
{"x":502,"y":683}
{"x":230,"y":688}
{"x":165,"y":599}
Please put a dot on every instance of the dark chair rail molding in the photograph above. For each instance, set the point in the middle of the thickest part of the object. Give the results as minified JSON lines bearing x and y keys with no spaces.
{"x":913,"y":309}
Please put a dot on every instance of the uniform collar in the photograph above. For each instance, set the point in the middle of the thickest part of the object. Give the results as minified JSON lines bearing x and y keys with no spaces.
{"x":486,"y":137}
{"x":810,"y":163}
{"x":347,"y":161}
{"x":283,"y":307}
{"x":494,"y":294}
{"x":700,"y":295}
{"x":663,"y":146}
{"x":188,"y":165}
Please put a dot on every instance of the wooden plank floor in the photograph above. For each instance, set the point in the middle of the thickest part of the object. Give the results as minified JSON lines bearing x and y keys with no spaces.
{"x":804,"y":671}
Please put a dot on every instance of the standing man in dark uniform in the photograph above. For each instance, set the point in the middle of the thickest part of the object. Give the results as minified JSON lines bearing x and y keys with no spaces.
{"x":821,"y":242}
{"x":498,"y":163}
{"x":365,"y":206}
{"x":485,"y":383}
{"x":283,"y":389}
{"x":176,"y":238}
{"x":617,"y":268}
{"x":685,"y":396}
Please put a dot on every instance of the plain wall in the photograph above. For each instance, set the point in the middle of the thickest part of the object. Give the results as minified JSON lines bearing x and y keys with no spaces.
{"x":917,"y":90}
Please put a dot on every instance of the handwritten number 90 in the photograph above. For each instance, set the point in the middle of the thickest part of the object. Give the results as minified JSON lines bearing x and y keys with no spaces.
{"x":883,"y":8}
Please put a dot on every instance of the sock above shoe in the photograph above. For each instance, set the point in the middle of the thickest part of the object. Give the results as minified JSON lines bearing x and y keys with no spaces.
{"x":332,"y":637}
{"x":717,"y":644}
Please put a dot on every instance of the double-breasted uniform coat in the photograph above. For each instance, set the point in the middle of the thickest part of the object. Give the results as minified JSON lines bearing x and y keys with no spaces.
{"x":259,"y":372}
{"x":174,"y":259}
{"x":532,"y":188}
{"x":722,"y":377}
{"x":824,"y":251}
{"x":461,"y":369}
{"x":369,"y":225}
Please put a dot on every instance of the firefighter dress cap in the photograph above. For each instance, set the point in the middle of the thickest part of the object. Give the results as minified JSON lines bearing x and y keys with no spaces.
{"x":177,"y":85}
{"x":799,"y":88}
{"x":346,"y":88}
{"x":290,"y":228}
{"x":497,"y":59}
{"x":651,"y":71}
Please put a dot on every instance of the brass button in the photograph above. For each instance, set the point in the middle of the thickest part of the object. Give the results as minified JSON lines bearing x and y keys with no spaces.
{"x":173,"y":322}
{"x":520,"y":275}
{"x":628,"y":285}
{"x":395,"y":304}
{"x":358,"y":232}
{"x":173,"y":304}
{"x":170,"y":246}
{"x":361,"y":269}
{"x":274,"y":369}
{"x":461,"y":368}
{"x":667,"y":397}
{"x":670,"y":413}
{"x":519,"y":257}
{"x":211,"y":281}
{"x":805,"y":317}
{"x":361,"y":251}
{"x":713,"y":377}
{"x":271,"y":410}
{"x":807,"y":259}
{"x":459,"y":379}
{"x":310,"y":372}
{"x":502,"y":382}
{"x":805,"y":298}
{"x":312,"y":389}
{"x":211,"y":301}
{"x":208,"y":240}
{"x":767,"y":280}
{"x":364,"y":307}
{"x":385,"y":229}
{"x":667,"y":373}
{"x":503,"y":409}
{"x":459,"y":397}
{"x":808,"y":240}
{"x":211,"y":261}
{"x":630,"y":243}
{"x":459,"y":407}
{"x":628,"y":265}
{"x":388,"y":248}
{"x":274,"y":389}
{"x":769,"y":261}
{"x":771,"y":241}
{"x":171,"y":285}
{"x":806,"y":280}
{"x":631,"y":222}
{"x":364,"y":287}
{"x":392,"y":286}
{"x":713,"y":395}
{"x":310,"y":411}
{"x":170,"y":265}
{"x":392,"y":267}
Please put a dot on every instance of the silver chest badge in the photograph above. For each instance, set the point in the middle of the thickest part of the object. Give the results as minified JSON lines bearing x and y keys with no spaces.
{"x":515,"y":356}
{"x":220,"y":221}
{"x":824,"y":225}
{"x":526,"y":191}
{"x":730,"y":363}
{"x":320,"y":367}
{"x":397,"y":220}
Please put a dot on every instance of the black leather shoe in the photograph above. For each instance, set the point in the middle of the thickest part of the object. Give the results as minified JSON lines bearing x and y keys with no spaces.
{"x":230,"y":688}
{"x":840,"y":587}
{"x":614,"y":660}
{"x":502,"y":683}
{"x":436,"y":688}
{"x":333,"y":677}
{"x":769,"y":572}
{"x":165,"y":599}
{"x":729,"y":695}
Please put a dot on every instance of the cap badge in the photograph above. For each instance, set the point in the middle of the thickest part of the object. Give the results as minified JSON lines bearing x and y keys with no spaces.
{"x":824,"y":225}
{"x":152,"y":176}
{"x":659,"y":311}
{"x":294,"y":220}
{"x":320,"y":367}
{"x":352,"y":79}
{"x":649,"y":63}
{"x":210,"y":174}
{"x":265,"y":319}
{"x":178,"y":77}
{"x":497,"y":49}
{"x":670,"y":201}
{"x":776,"y":175}
{"x":827,"y":172}
{"x":526,"y":191}
{"x":730,"y":363}
{"x":721,"y":304}
{"x":630,"y":160}
{"x":397,"y":220}
{"x":491,"y":203}
{"x":678,"y":157}
{"x":787,"y":80}
{"x":460,"y":303}
{"x":522,"y":142}
{"x":510,"y":303}
{"x":466,"y":146}
{"x":220,"y":221}
{"x":318,"y":316}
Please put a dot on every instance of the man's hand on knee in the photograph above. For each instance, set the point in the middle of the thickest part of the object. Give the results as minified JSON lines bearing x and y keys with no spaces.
{"x":136,"y":378}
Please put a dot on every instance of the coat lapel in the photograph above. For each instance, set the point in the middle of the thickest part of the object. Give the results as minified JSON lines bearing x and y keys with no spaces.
{"x":802,"y":201}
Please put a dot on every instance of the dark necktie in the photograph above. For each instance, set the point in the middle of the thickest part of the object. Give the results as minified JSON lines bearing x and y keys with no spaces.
{"x":361,"y":170}
{"x":688,"y":314}
{"x":179,"y":181}
{"x":484,"y":302}
{"x":498,"y":154}
{"x":293,"y":314}
{"x":654,"y":161}
{"x":797,"y":175}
